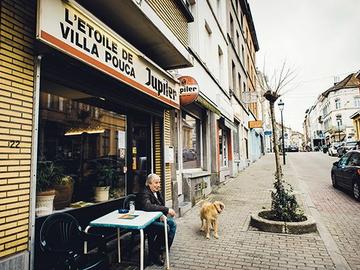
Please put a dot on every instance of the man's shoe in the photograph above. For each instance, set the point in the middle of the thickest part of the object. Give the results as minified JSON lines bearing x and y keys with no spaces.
{"x":158,"y":260}
{"x":149,"y":263}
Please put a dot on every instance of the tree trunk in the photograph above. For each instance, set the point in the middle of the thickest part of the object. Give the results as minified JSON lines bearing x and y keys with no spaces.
{"x":278,"y":173}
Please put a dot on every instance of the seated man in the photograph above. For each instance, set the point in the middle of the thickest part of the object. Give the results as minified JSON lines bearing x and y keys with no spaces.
{"x":152,"y":200}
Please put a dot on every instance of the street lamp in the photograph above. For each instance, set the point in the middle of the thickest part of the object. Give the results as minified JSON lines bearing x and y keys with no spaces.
{"x":281,"y":107}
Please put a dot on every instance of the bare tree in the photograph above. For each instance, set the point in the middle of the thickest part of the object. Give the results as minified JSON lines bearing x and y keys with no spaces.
{"x":284,"y":205}
{"x":271,"y":88}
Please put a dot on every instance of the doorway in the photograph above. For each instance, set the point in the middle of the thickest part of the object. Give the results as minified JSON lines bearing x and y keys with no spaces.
{"x":139,"y":152}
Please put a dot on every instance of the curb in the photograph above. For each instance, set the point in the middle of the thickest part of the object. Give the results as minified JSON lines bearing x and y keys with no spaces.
{"x":307,"y":226}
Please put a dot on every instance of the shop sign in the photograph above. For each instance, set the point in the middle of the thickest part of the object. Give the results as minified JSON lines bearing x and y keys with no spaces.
{"x":255,"y":124}
{"x":267,"y":132}
{"x":68,"y":27}
{"x":189,"y":90}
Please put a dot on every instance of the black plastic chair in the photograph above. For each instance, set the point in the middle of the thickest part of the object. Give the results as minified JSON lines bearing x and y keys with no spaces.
{"x":61,"y":235}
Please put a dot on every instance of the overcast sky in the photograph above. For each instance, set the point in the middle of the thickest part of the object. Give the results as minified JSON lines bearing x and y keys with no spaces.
{"x":320,"y":39}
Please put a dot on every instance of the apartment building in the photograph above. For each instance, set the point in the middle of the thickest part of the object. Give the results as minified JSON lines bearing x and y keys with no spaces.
{"x":83,"y":87}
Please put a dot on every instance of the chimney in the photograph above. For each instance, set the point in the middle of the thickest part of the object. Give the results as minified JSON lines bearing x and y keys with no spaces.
{"x":336,"y":80}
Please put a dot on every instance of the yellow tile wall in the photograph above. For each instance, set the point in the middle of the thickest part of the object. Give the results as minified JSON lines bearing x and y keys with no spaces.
{"x":167,"y":142}
{"x":17,"y":32}
{"x":157,"y":147}
{"x":173,"y":18}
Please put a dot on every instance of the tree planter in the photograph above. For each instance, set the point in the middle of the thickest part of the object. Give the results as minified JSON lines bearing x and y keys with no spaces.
{"x":102,"y":194}
{"x":44,"y":203}
{"x":266,"y":225}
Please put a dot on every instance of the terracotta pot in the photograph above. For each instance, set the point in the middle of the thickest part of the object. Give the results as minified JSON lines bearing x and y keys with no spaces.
{"x":44,"y":203}
{"x":63,"y":195}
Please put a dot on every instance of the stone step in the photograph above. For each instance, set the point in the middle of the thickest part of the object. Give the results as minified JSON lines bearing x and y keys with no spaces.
{"x":184,"y":207}
{"x":181,"y":198}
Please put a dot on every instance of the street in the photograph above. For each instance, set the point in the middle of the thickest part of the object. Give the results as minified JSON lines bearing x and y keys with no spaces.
{"x":336,"y":246}
{"x":338,"y":210}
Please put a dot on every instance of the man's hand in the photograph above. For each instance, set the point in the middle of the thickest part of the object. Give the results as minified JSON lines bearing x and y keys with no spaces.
{"x":172,"y":212}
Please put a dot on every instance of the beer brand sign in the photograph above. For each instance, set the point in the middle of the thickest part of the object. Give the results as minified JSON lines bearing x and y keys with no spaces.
{"x":189,"y":90}
{"x":68,"y":27}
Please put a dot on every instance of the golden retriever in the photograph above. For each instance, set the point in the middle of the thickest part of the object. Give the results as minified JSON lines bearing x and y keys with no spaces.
{"x":209,"y":213}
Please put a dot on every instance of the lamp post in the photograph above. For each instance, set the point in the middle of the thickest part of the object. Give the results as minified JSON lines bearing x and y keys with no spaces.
{"x":281,"y":107}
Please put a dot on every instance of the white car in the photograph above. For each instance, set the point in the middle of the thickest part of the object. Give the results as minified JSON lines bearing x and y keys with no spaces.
{"x":332,"y":151}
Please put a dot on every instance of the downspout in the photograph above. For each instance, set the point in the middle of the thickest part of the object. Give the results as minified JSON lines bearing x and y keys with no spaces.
{"x":34,"y":146}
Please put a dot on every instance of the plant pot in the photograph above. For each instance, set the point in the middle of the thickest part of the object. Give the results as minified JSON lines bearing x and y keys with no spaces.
{"x":44,"y":203}
{"x":63,"y":195}
{"x":102,"y":194}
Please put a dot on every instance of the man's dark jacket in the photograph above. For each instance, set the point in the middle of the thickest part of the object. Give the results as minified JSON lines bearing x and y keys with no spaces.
{"x":148,"y":201}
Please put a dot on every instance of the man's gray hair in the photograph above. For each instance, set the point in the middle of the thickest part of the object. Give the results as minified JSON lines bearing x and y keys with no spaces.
{"x":150,"y":178}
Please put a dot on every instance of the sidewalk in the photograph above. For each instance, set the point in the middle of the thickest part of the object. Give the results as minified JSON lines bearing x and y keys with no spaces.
{"x":241,"y":247}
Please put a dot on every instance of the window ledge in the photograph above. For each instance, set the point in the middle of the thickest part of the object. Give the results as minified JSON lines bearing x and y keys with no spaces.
{"x":225,"y":168}
{"x":196,"y":174}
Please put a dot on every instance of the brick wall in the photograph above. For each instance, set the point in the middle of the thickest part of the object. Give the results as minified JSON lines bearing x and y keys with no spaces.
{"x":16,"y":96}
{"x":173,"y":18}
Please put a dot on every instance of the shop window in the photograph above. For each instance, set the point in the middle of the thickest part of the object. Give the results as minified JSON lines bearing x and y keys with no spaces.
{"x":191,"y":141}
{"x":223,"y":147}
{"x":85,"y":142}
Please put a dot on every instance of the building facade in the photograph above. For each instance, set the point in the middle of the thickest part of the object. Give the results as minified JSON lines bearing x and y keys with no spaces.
{"x":329,"y":120}
{"x":84,"y":91}
{"x":100,"y":102}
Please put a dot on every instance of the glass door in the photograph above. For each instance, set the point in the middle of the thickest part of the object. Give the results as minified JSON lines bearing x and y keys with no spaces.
{"x":139,"y":153}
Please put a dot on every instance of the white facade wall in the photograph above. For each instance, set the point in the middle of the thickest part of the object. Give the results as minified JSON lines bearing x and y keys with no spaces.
{"x":315,"y":128}
{"x":348,"y":106}
{"x":206,"y":39}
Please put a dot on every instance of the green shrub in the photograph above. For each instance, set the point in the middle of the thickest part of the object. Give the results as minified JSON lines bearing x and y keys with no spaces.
{"x":284,"y":206}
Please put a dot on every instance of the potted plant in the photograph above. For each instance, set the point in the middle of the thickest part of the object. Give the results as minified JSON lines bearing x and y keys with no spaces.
{"x":105,"y":175}
{"x":63,"y":192}
{"x":47,"y":175}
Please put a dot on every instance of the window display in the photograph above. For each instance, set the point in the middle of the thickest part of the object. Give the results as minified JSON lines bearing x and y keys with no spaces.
{"x":191,"y":141}
{"x":86,"y":142}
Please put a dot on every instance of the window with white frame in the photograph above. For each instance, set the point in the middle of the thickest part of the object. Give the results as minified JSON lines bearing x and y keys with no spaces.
{"x":357,"y":102}
{"x":221,"y":60}
{"x":191,"y":141}
{"x":338,"y":121}
{"x":231,"y":28}
{"x":337,"y":103}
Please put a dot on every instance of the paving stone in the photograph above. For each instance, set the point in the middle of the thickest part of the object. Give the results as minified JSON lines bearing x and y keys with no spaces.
{"x":249,"y":249}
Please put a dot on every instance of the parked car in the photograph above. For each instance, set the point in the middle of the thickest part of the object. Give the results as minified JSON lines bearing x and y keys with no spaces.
{"x":345,"y":173}
{"x":332,"y":151}
{"x":345,"y":147}
{"x":292,"y":148}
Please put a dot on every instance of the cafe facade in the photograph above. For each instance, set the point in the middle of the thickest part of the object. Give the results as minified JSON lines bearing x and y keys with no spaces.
{"x":86,"y":98}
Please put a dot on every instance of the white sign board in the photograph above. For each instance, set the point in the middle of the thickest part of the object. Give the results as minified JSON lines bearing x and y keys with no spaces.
{"x":169,"y":154}
{"x":68,"y":27}
{"x":121,"y":139}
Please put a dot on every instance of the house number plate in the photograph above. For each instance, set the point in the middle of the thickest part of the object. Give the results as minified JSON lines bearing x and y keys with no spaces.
{"x":14,"y":144}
